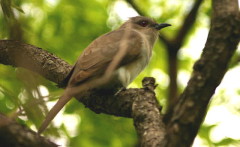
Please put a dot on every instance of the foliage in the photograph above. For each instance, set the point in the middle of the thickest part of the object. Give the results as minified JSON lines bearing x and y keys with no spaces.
{"x":65,"y":28}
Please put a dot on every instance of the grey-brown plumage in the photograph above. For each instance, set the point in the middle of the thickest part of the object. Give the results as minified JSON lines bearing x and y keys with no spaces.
{"x":136,"y":37}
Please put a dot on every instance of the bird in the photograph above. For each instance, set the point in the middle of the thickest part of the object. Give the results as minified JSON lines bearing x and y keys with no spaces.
{"x":119,"y":56}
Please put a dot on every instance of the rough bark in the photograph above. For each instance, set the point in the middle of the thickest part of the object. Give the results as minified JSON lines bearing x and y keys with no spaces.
{"x":184,"y":121}
{"x":13,"y":134}
{"x":209,"y":70}
{"x":33,"y":58}
{"x":146,"y":113}
{"x":56,"y":69}
{"x":19,"y":54}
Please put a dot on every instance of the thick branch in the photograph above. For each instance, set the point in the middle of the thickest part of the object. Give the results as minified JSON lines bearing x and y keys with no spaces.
{"x":14,"y":135}
{"x":33,"y":58}
{"x":55,"y":69}
{"x":147,"y":117}
{"x":208,"y":72}
{"x":97,"y":100}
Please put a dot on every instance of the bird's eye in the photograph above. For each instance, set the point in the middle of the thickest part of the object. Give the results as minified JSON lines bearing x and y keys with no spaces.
{"x":143,"y":23}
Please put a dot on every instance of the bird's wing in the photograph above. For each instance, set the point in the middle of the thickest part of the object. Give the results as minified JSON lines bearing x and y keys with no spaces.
{"x":94,"y":61}
{"x":98,"y":55}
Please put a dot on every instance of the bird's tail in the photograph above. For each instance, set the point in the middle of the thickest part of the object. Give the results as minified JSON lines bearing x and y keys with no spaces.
{"x":54,"y":111}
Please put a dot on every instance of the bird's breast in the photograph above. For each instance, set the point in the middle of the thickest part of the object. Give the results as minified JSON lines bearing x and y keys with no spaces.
{"x":126,"y":74}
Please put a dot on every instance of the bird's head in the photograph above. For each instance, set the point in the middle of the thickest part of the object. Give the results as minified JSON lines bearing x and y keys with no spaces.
{"x":145,"y":25}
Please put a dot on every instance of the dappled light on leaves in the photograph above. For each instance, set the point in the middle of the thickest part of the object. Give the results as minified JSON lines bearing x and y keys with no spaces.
{"x":65,"y":28}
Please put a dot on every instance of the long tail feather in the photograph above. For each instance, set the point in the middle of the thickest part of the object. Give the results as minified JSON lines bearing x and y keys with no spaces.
{"x":54,"y":111}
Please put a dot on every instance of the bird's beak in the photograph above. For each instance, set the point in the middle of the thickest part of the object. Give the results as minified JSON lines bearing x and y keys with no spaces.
{"x":161,"y":25}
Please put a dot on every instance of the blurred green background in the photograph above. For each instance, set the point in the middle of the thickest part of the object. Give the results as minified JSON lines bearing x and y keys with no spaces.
{"x":65,"y":28}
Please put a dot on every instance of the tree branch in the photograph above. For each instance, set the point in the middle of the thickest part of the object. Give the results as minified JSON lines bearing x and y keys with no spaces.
{"x":135,"y":7}
{"x":147,"y":118}
{"x":187,"y":24}
{"x":126,"y":103}
{"x":173,"y":46}
{"x":55,"y":69}
{"x":222,"y":42}
{"x":188,"y":112}
{"x":14,"y":135}
{"x":19,"y":54}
